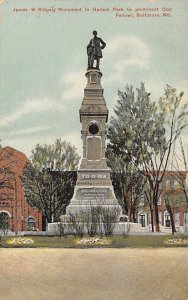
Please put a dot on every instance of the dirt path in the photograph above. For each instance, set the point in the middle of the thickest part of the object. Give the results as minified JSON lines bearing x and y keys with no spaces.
{"x":101,"y":274}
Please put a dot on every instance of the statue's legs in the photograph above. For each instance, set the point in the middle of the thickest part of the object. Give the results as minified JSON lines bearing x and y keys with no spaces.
{"x":92,"y":61}
{"x":98,"y":62}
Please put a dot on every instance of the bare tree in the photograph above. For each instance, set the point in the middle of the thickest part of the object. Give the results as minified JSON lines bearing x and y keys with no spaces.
{"x":177,"y":163}
{"x":50,"y":177}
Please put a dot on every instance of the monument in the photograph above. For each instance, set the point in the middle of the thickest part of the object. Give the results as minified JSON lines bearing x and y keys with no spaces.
{"x":93,"y":186}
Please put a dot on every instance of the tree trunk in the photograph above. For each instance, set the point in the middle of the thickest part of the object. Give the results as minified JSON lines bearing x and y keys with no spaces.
{"x":152,"y":225}
{"x":156,"y":212}
{"x":130,"y":215}
{"x":134,"y":215}
{"x":48,"y":218}
{"x":169,"y":209}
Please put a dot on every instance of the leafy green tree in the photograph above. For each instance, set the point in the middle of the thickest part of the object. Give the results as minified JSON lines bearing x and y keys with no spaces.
{"x":50,"y":177}
{"x":134,"y":132}
{"x":142,"y":133}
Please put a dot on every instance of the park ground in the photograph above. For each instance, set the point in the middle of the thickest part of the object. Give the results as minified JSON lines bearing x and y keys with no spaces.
{"x":94,"y":274}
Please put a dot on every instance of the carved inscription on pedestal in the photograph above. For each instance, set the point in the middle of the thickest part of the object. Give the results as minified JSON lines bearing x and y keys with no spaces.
{"x":95,"y":194}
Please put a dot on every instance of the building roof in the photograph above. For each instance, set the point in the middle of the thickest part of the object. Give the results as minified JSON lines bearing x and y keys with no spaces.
{"x":14,"y":152}
{"x":12,"y":159}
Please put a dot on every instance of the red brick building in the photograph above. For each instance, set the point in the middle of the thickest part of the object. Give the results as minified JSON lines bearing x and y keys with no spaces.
{"x":15,"y":211}
{"x":170,"y":183}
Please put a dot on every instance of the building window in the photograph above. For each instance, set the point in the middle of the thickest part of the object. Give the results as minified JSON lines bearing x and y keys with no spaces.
{"x":4,"y":220}
{"x":142,"y":220}
{"x":167,"y":220}
{"x":30,"y":223}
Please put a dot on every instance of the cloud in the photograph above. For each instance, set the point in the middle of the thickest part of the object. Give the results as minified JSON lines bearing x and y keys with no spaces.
{"x":26,"y":143}
{"x":27,"y":131}
{"x":127,"y":51}
{"x":73,"y":85}
{"x":29,"y":107}
{"x":122,"y":52}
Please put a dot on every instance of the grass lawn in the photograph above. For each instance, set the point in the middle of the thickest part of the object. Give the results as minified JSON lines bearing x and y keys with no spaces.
{"x":114,"y":242}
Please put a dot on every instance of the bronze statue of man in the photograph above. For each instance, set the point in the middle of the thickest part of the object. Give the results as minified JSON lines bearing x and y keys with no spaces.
{"x":94,"y":50}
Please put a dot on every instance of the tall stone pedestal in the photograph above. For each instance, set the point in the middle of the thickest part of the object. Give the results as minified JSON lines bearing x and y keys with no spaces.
{"x":94,"y":186}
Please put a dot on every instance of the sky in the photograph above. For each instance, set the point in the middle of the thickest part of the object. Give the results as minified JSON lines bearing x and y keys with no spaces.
{"x":43,"y":61}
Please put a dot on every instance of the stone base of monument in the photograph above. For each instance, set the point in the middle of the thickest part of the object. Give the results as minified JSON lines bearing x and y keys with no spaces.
{"x":120,"y":228}
{"x":86,"y":197}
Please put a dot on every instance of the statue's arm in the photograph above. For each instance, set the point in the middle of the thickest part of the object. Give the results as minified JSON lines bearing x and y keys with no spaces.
{"x":89,"y":47}
{"x":103,"y":44}
{"x":90,"y":44}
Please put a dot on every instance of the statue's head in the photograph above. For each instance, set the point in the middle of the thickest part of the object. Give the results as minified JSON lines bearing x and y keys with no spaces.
{"x":95,"y":33}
